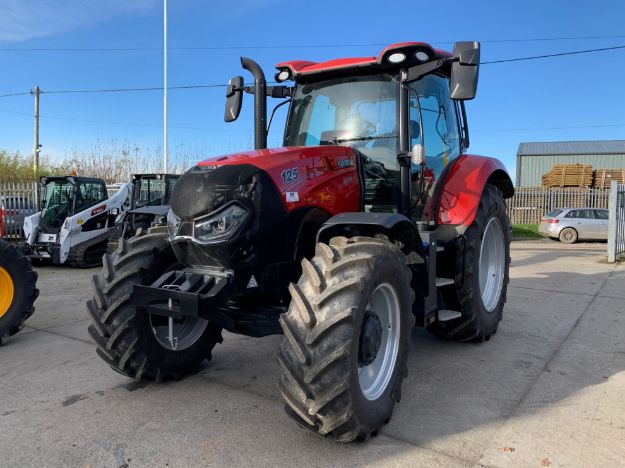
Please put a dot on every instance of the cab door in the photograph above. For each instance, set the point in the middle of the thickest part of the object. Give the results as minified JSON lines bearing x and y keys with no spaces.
{"x":431,"y":106}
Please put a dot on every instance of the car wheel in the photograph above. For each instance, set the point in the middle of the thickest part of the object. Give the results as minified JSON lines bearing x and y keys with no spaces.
{"x":568,"y":235}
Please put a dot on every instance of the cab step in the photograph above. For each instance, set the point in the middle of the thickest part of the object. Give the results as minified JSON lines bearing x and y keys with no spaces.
{"x":445,"y":315}
{"x":440,"y":282}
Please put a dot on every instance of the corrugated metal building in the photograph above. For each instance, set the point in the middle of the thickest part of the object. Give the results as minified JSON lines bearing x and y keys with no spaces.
{"x":536,"y":158}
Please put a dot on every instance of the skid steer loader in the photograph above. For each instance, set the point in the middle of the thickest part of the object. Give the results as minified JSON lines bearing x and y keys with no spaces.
{"x":75,"y":220}
{"x":18,"y":289}
{"x":370,"y":219}
{"x":149,"y":204}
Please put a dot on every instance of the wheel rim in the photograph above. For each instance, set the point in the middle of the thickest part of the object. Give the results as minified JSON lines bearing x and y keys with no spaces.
{"x":492,"y":264}
{"x":186,"y":331}
{"x":7,"y":290}
{"x":568,"y":235}
{"x":376,"y":361}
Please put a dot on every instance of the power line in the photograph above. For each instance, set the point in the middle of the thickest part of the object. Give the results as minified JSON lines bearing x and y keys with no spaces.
{"x":528,"y":129}
{"x":124,"y":90}
{"x":295,"y":46}
{"x":559,"y":54}
{"x":136,"y":124}
{"x":110,"y":122}
{"x":14,"y":94}
{"x":158,"y":88}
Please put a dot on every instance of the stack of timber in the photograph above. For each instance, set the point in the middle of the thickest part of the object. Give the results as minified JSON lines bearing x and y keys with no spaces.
{"x":603,"y":177}
{"x":568,"y":175}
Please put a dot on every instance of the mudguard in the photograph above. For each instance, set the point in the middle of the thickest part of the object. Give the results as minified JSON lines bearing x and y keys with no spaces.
{"x":396,"y":226}
{"x":457,"y":201}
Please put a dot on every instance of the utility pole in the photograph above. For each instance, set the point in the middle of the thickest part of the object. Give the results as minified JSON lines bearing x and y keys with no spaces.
{"x":36,"y":92}
{"x":165,"y":154}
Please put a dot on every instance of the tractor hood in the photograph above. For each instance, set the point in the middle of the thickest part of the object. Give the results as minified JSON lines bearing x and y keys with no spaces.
{"x":268,"y":186}
{"x":277,"y":158}
{"x":299,"y":176}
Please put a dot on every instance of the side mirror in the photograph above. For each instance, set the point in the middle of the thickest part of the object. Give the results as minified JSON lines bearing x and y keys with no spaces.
{"x":234,"y":98}
{"x":464,"y":70}
{"x":417,"y":155}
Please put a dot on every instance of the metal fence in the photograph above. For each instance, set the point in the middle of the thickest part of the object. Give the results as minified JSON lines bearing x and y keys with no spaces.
{"x":616,"y":224}
{"x":529,"y":204}
{"x":17,"y":200}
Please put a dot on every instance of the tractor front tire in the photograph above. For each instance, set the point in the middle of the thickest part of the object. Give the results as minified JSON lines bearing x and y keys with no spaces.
{"x":126,"y":336}
{"x":482,"y":273}
{"x":346,"y":338}
{"x":18,"y":289}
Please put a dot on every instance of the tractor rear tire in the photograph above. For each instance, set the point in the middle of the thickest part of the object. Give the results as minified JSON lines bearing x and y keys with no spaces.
{"x":18,"y":289}
{"x":481,"y":302}
{"x":333,"y":379}
{"x":125,"y":336}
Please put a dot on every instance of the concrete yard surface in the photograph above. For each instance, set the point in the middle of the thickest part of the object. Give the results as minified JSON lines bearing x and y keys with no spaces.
{"x":547,"y":390}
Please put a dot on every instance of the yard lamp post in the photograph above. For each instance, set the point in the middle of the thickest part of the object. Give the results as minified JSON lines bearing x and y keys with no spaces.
{"x":165,"y":86}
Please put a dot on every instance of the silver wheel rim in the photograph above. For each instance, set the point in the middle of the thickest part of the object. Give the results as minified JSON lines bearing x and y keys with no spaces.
{"x":186,"y":331}
{"x":568,"y":235}
{"x":492,"y":264}
{"x":375,"y":377}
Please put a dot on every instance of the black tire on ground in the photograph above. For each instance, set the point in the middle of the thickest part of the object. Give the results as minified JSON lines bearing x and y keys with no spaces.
{"x":568,"y":235}
{"x":123,"y":334}
{"x":477,"y":323}
{"x":16,"y":275}
{"x":319,"y":355}
{"x":89,"y":253}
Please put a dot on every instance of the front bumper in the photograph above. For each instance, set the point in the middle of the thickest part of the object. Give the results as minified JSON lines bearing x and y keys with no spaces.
{"x":179,"y":294}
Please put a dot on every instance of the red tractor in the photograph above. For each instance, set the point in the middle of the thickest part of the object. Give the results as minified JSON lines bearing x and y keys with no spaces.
{"x":371,"y":219}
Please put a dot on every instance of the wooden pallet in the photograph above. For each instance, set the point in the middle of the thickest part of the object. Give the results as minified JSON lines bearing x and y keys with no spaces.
{"x":568,"y":175}
{"x":603,"y":177}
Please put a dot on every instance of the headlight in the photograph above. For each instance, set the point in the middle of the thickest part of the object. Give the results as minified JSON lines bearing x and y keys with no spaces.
{"x":221,"y":225}
{"x":173,"y":223}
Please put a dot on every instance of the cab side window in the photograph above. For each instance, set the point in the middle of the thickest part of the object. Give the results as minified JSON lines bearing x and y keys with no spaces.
{"x":602,"y":214}
{"x":89,"y":194}
{"x":441,"y":136}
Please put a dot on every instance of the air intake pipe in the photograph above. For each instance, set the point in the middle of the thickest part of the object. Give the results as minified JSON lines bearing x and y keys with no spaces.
{"x":260,"y":102}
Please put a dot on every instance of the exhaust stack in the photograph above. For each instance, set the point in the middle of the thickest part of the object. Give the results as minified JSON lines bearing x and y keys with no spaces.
{"x":260,"y":102}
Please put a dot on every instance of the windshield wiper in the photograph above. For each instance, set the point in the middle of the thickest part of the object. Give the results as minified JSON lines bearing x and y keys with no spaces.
{"x":336,"y":141}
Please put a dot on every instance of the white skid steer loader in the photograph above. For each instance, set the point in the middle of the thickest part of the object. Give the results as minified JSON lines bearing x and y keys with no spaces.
{"x":75,"y":220}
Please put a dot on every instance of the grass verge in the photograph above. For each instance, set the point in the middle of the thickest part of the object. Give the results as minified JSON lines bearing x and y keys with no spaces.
{"x":526,"y":231}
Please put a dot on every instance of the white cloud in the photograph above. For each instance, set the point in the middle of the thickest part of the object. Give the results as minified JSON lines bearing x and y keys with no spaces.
{"x":21,"y":20}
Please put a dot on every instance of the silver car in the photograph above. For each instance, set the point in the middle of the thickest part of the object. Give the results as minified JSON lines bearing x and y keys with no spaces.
{"x":572,"y":224}
{"x":13,"y":210}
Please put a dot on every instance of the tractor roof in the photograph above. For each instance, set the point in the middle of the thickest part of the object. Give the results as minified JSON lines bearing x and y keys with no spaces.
{"x":302,"y":69}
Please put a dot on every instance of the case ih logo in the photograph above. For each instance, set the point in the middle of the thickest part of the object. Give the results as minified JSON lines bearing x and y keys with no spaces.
{"x":98,"y":209}
{"x":344,"y":163}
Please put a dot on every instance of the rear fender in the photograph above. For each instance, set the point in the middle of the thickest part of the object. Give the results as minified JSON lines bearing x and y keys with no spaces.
{"x":460,"y":196}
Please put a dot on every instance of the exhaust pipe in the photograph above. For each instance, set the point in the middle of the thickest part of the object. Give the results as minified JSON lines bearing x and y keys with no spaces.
{"x":260,"y":102}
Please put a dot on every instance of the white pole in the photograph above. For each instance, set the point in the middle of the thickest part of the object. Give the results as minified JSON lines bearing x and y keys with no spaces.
{"x":165,"y":154}
{"x":612,"y":210}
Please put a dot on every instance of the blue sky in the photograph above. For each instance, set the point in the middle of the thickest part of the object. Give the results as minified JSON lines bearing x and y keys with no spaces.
{"x":576,"y":91}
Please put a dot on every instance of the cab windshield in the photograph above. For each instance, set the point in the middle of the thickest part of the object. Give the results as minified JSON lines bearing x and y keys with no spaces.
{"x":360,"y":112}
{"x":58,"y":202}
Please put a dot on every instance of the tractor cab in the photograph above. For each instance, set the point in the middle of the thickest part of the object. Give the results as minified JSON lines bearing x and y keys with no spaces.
{"x":62,"y":197}
{"x":402,"y":112}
